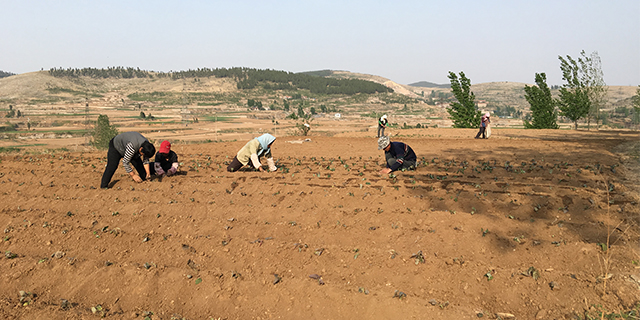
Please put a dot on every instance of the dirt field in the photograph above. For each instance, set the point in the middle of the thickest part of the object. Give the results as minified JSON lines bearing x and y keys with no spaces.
{"x":514,"y":225}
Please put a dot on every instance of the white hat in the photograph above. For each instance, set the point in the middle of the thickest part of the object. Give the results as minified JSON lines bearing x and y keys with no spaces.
{"x":384,"y":116}
{"x":487,"y":114}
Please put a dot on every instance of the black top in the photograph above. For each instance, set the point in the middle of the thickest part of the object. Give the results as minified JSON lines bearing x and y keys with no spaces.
{"x":166,"y":160}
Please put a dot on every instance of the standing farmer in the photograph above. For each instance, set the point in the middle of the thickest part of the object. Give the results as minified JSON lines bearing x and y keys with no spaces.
{"x":483,"y":126}
{"x":128,"y":146}
{"x":382,"y":124}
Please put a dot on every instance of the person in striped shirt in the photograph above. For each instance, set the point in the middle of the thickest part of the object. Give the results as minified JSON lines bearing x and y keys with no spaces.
{"x":130,"y":147}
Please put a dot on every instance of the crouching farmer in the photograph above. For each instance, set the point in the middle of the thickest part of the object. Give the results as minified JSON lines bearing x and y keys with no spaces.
{"x":166,"y":161}
{"x":255,"y":149}
{"x":399,"y":156}
{"x":130,"y":147}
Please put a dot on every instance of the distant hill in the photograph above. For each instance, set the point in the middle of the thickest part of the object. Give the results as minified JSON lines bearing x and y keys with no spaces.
{"x":426,"y":84}
{"x":4,"y":74}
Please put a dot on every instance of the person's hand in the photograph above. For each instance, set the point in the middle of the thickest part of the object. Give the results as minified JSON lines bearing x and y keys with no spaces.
{"x":171,"y":171}
{"x":159,"y":172}
{"x":385,"y":171}
{"x":136,"y":178}
{"x":148,"y":176}
{"x":261,"y":170}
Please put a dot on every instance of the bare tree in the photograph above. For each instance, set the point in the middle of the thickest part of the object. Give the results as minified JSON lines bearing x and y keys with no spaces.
{"x":593,"y":79}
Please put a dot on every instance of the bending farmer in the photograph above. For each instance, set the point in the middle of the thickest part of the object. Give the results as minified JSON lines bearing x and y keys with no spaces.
{"x":252,"y":151}
{"x":128,"y":146}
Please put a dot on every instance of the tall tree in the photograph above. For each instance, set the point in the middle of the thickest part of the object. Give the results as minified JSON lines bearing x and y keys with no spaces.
{"x":593,"y":78}
{"x":542,"y":105}
{"x":464,"y":112}
{"x":635,"y":102}
{"x":574,"y":95}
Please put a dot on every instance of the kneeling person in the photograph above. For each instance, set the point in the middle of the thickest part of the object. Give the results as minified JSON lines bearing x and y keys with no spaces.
{"x":398,"y":155}
{"x":166,"y":161}
{"x":252,"y":151}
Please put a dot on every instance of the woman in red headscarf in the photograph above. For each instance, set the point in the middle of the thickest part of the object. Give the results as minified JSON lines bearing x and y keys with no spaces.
{"x":166,"y":161}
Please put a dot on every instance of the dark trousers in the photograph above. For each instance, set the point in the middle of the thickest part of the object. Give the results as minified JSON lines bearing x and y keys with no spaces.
{"x":235,"y":165}
{"x":380,"y":131}
{"x":482,"y":132}
{"x":113,"y":159}
{"x":406,"y":164}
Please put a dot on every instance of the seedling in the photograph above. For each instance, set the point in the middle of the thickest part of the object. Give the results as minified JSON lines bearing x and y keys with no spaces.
{"x":489,"y":276}
{"x":419,"y":257}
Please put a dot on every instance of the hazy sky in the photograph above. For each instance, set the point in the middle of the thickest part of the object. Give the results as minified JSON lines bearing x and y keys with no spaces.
{"x":405,"y":41}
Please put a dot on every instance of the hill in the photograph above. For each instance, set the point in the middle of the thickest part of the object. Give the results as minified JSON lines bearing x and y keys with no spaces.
{"x":427,"y":84}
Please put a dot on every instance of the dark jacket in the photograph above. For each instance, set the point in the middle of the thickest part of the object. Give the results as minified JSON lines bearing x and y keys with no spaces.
{"x":401,"y":151}
{"x":166,"y":162}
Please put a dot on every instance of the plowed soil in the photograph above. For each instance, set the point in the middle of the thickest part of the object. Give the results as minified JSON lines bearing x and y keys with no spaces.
{"x":534,"y":224}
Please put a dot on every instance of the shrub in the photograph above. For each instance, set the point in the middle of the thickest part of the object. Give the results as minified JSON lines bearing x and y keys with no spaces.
{"x":103,"y":132}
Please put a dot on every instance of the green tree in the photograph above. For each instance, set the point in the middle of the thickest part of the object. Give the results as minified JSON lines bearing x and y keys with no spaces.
{"x":301,"y":112}
{"x":142,"y":115}
{"x":464,"y":113}
{"x":635,"y":102}
{"x":574,"y":95}
{"x":103,"y":132}
{"x":542,"y":105}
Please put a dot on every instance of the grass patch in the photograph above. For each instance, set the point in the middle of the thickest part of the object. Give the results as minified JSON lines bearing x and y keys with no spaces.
{"x":58,"y":90}
{"x":214,"y":119}
{"x":9,"y":149}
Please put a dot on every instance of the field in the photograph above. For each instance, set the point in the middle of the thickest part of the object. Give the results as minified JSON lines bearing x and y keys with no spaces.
{"x":530,"y":224}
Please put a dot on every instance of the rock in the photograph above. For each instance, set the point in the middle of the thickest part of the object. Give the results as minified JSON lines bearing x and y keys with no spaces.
{"x":433,"y":302}
{"x":58,"y":254}
{"x":553,"y":285}
{"x":504,"y":315}
{"x":542,"y":314}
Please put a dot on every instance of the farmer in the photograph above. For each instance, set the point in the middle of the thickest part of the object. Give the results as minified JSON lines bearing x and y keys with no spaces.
{"x":166,"y":161}
{"x":483,"y":126}
{"x":399,"y":156}
{"x":382,"y":124}
{"x":128,"y":146}
{"x":255,"y":149}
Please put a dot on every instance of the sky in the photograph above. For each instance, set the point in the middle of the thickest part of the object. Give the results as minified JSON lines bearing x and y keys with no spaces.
{"x":404,"y":41}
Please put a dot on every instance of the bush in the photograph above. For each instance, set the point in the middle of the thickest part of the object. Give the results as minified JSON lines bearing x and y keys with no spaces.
{"x":103,"y":132}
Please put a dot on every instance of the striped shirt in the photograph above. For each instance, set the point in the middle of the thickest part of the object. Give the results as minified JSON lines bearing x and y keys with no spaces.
{"x":129,"y":152}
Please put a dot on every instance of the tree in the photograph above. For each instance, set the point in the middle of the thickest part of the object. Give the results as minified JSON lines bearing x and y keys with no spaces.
{"x":593,"y":79}
{"x":103,"y":132}
{"x":574,"y":95}
{"x":464,"y":112}
{"x":301,"y":112}
{"x":635,"y":102}
{"x":542,"y":105}
{"x":142,"y":115}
